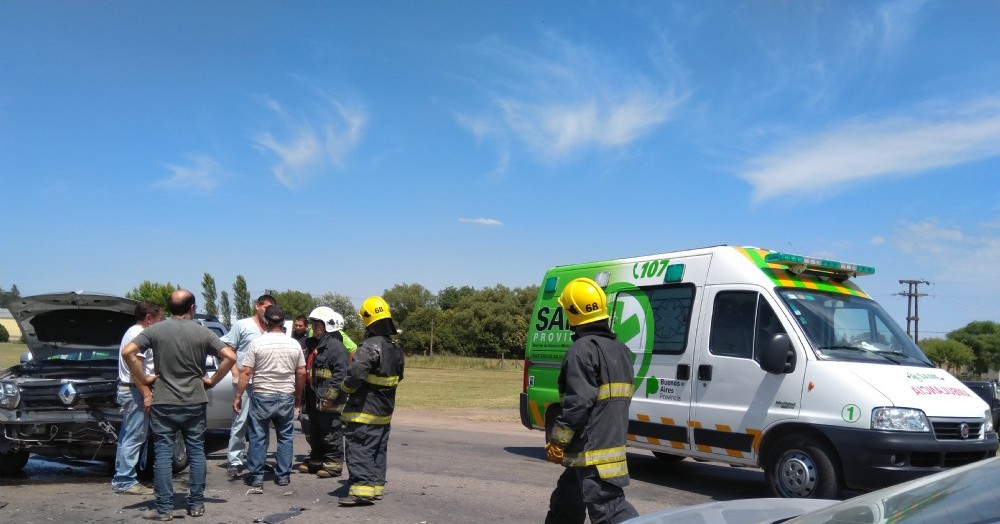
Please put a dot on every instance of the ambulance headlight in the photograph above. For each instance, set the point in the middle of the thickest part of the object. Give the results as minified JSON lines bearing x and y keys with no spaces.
{"x":899,"y":419}
{"x":988,"y":423}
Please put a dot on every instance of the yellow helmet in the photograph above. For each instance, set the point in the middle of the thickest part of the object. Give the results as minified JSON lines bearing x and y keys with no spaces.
{"x":584,"y":302}
{"x":372,"y":309}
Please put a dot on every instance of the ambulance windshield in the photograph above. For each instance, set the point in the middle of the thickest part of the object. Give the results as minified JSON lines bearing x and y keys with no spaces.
{"x":842,"y":327}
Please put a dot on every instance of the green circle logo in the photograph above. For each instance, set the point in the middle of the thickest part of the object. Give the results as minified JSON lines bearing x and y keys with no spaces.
{"x":851,"y":413}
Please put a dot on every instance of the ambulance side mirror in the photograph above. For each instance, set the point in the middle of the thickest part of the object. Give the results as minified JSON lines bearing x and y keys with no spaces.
{"x":779,"y":355}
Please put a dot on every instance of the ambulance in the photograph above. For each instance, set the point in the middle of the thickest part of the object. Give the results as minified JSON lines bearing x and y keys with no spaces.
{"x":758,"y":358}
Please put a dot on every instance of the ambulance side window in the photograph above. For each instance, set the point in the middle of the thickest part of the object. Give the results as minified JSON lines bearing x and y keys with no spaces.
{"x":671,"y":309}
{"x":768,"y":325}
{"x":733,"y":324}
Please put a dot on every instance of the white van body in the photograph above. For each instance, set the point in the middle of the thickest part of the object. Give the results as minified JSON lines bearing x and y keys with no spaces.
{"x":755,"y":358}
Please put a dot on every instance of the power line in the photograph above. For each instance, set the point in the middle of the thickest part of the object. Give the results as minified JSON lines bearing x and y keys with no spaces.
{"x":913,"y":305}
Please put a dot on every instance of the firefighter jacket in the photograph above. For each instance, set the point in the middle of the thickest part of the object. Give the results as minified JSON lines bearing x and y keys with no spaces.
{"x":327,"y":369}
{"x":595,"y":388}
{"x":371,"y":381}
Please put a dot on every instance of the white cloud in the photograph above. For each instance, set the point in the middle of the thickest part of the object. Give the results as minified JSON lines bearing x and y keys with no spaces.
{"x":958,"y":256}
{"x":570,"y":98}
{"x":877,"y":240}
{"x":822,"y":164}
{"x":306,"y":149}
{"x":481,"y":221}
{"x":203,"y":174}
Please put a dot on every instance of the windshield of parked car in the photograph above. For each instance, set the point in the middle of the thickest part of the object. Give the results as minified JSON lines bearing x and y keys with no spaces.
{"x":842,"y":327}
{"x":964,"y":495}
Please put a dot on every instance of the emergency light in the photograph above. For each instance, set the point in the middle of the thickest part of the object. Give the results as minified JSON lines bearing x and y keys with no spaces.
{"x":797,"y":264}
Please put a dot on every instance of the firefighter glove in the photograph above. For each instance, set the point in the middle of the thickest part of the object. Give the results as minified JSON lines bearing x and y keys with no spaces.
{"x":554,"y":452}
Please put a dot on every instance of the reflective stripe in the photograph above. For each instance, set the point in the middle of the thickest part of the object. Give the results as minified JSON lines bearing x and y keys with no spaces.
{"x":346,"y":389}
{"x":595,"y":456}
{"x":379,"y":490}
{"x":366,"y":418}
{"x":612,"y":469}
{"x":615,"y":390}
{"x":322,"y":373}
{"x":382,"y":381}
{"x":362,"y":491}
{"x":562,"y":435}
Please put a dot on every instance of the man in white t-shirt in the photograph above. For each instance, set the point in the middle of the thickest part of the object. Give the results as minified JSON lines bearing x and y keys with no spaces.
{"x":133,"y":399}
{"x":275,"y":363}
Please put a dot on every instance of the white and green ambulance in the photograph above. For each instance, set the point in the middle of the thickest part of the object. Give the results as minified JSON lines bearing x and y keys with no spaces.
{"x":763,"y":359}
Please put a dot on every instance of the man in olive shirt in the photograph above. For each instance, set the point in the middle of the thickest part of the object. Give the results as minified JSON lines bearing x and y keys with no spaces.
{"x":180,"y":347}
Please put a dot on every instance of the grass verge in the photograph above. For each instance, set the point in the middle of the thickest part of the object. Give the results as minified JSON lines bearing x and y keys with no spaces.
{"x":10,"y":353}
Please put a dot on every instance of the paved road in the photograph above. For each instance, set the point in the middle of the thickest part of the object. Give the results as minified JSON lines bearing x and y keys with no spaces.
{"x":461,"y":468}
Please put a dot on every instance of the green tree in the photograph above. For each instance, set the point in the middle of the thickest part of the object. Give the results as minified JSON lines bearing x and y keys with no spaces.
{"x":294,"y":303}
{"x":345,"y":306}
{"x":983,"y":337}
{"x":241,"y":298}
{"x":154,"y":292}
{"x":6,"y":297}
{"x":451,"y":296}
{"x":404,"y":299}
{"x":4,"y":335}
{"x":948,"y":354}
{"x":225,"y":310}
{"x":208,"y":295}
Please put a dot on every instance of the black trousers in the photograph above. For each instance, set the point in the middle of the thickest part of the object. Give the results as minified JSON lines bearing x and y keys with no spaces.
{"x":366,"y":458}
{"x":326,"y":438}
{"x":580,"y":490}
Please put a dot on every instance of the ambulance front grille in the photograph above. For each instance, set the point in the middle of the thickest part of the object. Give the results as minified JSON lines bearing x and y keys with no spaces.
{"x":951,"y":429}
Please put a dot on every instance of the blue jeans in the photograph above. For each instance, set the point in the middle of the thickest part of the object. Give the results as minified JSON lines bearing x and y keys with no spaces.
{"x":237,"y":454}
{"x":131,"y":437}
{"x":266,"y":408}
{"x":165,"y":422}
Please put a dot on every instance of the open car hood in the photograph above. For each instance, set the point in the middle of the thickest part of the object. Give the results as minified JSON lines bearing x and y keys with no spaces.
{"x":76,"y":325}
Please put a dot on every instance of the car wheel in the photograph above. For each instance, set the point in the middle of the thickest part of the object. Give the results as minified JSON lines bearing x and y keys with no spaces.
{"x":667,"y":457}
{"x":801,"y":467}
{"x":144,"y":468}
{"x":12,"y":462}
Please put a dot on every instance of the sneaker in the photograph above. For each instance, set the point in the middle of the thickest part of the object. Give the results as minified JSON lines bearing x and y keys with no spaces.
{"x":152,"y":514}
{"x":355,"y":500}
{"x":135,"y":489}
{"x":233,"y":472}
{"x":281,"y":481}
{"x":196,"y":511}
{"x":256,"y":490}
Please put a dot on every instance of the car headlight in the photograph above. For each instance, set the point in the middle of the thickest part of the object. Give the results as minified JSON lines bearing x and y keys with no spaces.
{"x":899,"y":419}
{"x":988,"y":423}
{"x":9,"y":395}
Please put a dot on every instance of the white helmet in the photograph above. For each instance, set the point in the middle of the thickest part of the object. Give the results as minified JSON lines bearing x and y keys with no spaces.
{"x":334,"y":321}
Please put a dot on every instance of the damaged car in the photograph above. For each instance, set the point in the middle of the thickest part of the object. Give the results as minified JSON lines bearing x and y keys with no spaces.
{"x":62,"y":401}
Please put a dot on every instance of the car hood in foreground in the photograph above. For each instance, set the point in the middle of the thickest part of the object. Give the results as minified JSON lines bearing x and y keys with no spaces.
{"x":745,"y":511}
{"x":74,"y":322}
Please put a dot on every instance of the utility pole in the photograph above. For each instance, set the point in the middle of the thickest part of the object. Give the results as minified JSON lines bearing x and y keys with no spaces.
{"x":913,"y":306}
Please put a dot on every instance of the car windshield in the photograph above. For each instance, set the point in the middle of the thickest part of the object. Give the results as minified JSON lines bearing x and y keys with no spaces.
{"x":965,"y":495}
{"x":842,"y":327}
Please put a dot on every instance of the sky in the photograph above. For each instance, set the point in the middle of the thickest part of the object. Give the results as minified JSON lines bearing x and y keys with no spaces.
{"x":346,"y":146}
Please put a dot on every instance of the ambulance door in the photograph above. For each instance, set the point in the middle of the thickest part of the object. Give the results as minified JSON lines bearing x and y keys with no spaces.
{"x":656,"y":323}
{"x":734,"y":399}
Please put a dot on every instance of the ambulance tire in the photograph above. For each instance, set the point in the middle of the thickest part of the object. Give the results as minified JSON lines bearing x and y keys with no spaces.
{"x":800,"y":466}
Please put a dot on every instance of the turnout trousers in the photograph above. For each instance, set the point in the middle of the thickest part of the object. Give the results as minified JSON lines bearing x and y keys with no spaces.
{"x":580,"y":490}
{"x":366,"y":458}
{"x":326,"y":440}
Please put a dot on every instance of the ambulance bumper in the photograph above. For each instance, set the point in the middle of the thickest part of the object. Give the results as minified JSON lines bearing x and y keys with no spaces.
{"x":523,"y":408}
{"x":876,"y":459}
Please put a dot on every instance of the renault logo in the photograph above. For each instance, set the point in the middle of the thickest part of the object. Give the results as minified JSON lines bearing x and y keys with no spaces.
{"x":963,"y":428}
{"x":67,"y":394}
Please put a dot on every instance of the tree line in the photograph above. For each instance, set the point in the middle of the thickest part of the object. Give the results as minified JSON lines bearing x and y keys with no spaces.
{"x":491,"y":322}
{"x":968,"y":351}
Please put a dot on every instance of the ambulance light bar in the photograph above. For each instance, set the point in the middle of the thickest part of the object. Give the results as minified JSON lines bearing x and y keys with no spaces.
{"x":797,"y":264}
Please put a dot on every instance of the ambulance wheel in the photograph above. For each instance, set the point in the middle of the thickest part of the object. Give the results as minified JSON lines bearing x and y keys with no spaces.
{"x":667,"y":457}
{"x":800,"y":466}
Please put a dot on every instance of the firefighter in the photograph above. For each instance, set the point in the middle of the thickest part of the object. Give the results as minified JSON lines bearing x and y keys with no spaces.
{"x":323,"y":399}
{"x":371,"y":383}
{"x":588,"y":438}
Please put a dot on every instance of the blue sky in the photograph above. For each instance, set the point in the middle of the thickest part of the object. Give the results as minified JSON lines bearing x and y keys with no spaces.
{"x":350,"y":146}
